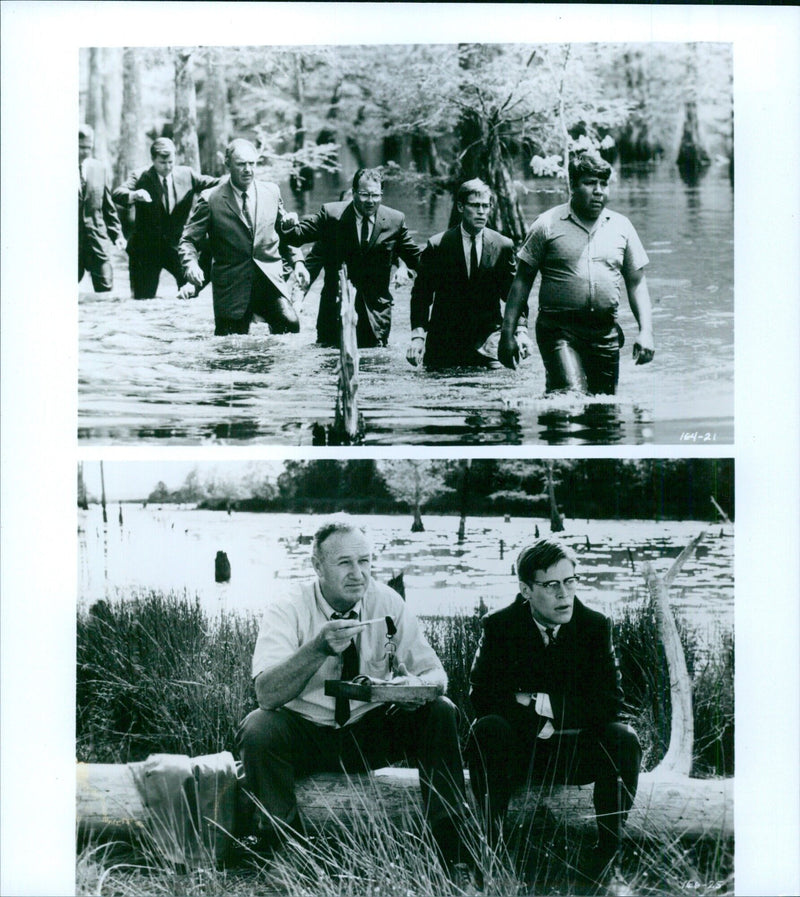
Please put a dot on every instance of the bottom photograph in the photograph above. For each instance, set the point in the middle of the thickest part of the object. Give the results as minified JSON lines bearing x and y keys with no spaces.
{"x":405,"y":677}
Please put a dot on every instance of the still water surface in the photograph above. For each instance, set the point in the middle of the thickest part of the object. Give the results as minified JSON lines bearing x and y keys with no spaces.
{"x":153,"y":371}
{"x":170,"y":549}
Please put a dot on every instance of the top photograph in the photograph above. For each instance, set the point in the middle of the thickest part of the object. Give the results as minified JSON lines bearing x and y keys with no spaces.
{"x":379,"y":245}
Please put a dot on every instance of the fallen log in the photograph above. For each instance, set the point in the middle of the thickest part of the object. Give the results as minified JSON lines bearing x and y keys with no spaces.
{"x":111,"y":806}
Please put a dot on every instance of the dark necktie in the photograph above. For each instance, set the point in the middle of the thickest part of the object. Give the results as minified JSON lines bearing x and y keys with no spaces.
{"x":349,"y":671}
{"x":364,"y":232}
{"x":551,"y":637}
{"x":473,"y":259}
{"x":246,"y":211}
{"x":165,"y":188}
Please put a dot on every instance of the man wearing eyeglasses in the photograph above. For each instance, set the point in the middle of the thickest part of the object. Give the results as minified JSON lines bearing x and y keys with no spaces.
{"x":369,"y":238}
{"x":545,"y":685}
{"x":464,"y":277}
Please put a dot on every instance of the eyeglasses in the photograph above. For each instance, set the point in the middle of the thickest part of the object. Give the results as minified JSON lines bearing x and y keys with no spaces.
{"x":369,"y":195}
{"x":551,"y":585}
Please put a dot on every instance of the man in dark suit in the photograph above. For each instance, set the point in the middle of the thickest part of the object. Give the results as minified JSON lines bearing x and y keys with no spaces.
{"x":464,"y":277}
{"x":239,"y":221}
{"x":163,"y":195}
{"x":546,"y":689}
{"x":367,"y":237}
{"x":98,"y":222}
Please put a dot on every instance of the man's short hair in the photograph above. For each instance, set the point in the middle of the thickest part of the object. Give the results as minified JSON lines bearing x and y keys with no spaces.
{"x":541,"y":556}
{"x":86,"y":131}
{"x":588,"y":163}
{"x":367,"y":174}
{"x":231,"y":148}
{"x":472,"y":187}
{"x":341,"y":523}
{"x":161,"y":146}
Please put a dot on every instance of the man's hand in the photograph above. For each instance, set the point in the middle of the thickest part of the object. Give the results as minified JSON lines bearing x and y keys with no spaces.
{"x":644,"y":347}
{"x":336,"y":635}
{"x":141,"y":196}
{"x":194,"y":274}
{"x":187,"y":291}
{"x":523,"y":342}
{"x":508,"y":350}
{"x":403,"y":677}
{"x":302,"y":276}
{"x":415,"y":350}
{"x":288,"y":220}
{"x":402,"y":275}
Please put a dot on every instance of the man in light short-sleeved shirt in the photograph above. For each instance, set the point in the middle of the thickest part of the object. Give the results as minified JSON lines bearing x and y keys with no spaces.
{"x":305,"y":639}
{"x":585,"y":253}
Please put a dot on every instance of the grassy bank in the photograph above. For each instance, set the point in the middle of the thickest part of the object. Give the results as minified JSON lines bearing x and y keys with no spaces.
{"x":156,"y":674}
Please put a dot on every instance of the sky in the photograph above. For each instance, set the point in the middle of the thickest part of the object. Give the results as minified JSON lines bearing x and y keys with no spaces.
{"x":126,"y":480}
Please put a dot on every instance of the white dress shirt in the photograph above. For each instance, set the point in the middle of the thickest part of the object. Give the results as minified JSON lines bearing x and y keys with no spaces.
{"x":293,"y":619}
{"x":466,"y":242}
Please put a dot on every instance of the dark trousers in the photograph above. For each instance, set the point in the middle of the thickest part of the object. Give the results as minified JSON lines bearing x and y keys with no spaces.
{"x":579,"y":353}
{"x":145,"y":266}
{"x":278,"y":746}
{"x":503,"y":758}
{"x":100,"y":269}
{"x":267,"y":301}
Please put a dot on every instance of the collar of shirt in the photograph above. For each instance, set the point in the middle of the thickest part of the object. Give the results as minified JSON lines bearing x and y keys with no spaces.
{"x":251,"y":199}
{"x":359,"y":218}
{"x":466,"y":242}
{"x":601,"y":218}
{"x":543,"y":628}
{"x":326,"y":610}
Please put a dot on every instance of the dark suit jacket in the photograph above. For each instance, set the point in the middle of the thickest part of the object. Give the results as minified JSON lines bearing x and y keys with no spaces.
{"x":334,"y":228}
{"x":237,"y":255}
{"x":465,"y":312}
{"x":153,"y":227}
{"x":580,"y":672}
{"x":98,"y":221}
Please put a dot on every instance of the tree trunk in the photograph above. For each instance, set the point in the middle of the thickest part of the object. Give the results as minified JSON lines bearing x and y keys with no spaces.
{"x":132,"y":150}
{"x":417,"y":525}
{"x":216,"y":113}
{"x":103,"y":493}
{"x":462,"y":524}
{"x":83,"y":502}
{"x":95,"y":108}
{"x":184,"y":128}
{"x":678,"y":759}
{"x":556,"y":519}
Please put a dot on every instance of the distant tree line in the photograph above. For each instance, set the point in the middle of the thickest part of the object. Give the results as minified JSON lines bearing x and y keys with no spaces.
{"x":651,"y":489}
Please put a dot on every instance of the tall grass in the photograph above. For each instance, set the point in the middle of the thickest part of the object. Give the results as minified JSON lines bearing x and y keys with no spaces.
{"x":156,"y":674}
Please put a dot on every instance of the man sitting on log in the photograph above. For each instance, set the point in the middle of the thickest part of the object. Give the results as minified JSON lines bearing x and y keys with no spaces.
{"x":545,"y":684}
{"x":320,"y":632}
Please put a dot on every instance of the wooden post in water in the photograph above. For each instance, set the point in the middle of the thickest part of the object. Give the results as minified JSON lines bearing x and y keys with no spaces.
{"x":103,"y":493}
{"x":346,"y":422}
